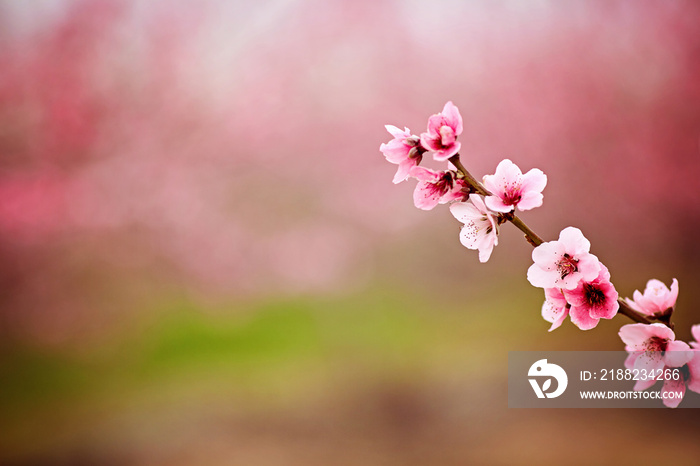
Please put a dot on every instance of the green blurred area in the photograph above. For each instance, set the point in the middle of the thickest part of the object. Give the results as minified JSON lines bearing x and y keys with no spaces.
{"x":257,"y":356}
{"x":384,"y":376}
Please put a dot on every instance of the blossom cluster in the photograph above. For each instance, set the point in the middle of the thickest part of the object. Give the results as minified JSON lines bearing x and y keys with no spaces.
{"x":480,"y":212}
{"x":576,"y":284}
{"x":654,"y":347}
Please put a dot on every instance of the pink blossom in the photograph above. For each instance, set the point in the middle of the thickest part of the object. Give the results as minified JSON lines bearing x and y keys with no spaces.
{"x":563,"y":263}
{"x":657,"y":299}
{"x":437,"y":187}
{"x":653,"y":346}
{"x":555,"y":307}
{"x":695,"y":330}
{"x":404,"y":150}
{"x":510,"y":188}
{"x":592,"y":300}
{"x":688,"y":375}
{"x":480,"y":230}
{"x":443,"y":129}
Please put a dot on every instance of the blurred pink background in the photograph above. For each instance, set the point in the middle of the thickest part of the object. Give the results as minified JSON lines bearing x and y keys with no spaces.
{"x":213,"y":159}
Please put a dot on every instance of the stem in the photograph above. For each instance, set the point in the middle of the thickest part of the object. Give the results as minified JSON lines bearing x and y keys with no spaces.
{"x":478,"y":187}
{"x":530,"y":235}
{"x":535,"y":240}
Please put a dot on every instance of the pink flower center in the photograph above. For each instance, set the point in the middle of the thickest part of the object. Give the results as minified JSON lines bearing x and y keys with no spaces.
{"x":512,"y":195}
{"x":447,"y":136}
{"x":443,"y":185}
{"x":567,"y":265}
{"x":656,"y":344}
{"x":594,"y":295}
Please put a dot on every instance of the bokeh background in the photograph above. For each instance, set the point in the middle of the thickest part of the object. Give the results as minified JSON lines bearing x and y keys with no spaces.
{"x":203,"y":259}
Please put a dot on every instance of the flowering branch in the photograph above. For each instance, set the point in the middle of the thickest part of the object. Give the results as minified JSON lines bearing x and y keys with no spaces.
{"x":534,"y":239}
{"x":576,"y":284}
{"x":530,"y":235}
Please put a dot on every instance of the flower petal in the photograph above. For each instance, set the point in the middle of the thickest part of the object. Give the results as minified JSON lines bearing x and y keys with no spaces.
{"x":397,"y":132}
{"x":534,"y":180}
{"x":441,"y":155}
{"x":403,"y":171}
{"x":452,"y":117}
{"x":424,"y":174}
{"x":643,"y":384}
{"x":636,"y":335}
{"x":496,"y":204}
{"x":424,"y":196}
{"x":554,"y":311}
{"x":465,"y":212}
{"x":649,"y":360}
{"x":582,"y":318}
{"x":530,"y":200}
{"x":694,"y":370}
{"x":677,"y":354}
{"x":574,"y":241}
{"x":695,"y":331}
{"x":671,"y":388}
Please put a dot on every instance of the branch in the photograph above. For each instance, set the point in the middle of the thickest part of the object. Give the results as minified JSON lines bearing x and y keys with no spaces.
{"x":632,"y":314}
{"x":535,"y":240}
